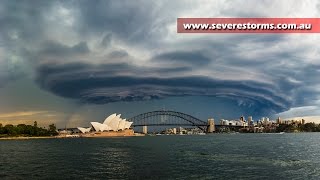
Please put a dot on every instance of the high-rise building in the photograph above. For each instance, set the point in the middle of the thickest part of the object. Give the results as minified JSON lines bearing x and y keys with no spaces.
{"x":249,"y":120}
{"x":279,"y":120}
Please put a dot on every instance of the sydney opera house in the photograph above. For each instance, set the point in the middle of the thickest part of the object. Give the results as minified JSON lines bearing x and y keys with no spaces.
{"x":113,"y":125}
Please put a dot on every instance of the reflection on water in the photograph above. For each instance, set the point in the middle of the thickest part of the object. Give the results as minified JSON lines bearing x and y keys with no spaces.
{"x":227,"y":156}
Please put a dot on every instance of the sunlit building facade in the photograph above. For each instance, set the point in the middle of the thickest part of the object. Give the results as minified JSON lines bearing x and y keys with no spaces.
{"x":112,"y":123}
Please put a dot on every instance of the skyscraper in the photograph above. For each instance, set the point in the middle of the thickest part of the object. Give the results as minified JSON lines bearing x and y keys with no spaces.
{"x":249,"y":120}
{"x":279,"y":120}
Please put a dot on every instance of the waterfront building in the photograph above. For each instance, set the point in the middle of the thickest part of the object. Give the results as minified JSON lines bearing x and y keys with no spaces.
{"x":65,"y":131}
{"x":250,"y":121}
{"x":224,"y":122}
{"x":278,"y":121}
{"x":182,"y":130}
{"x":239,"y":123}
{"x":84,"y":130}
{"x":233,"y":122}
{"x":258,"y":129}
{"x":264,"y":121}
{"x":112,"y":123}
{"x":171,"y":131}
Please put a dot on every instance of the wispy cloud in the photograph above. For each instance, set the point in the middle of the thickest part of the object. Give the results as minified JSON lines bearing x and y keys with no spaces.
{"x":21,"y":114}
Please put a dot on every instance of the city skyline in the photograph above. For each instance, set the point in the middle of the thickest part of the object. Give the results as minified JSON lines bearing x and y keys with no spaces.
{"x":75,"y":62}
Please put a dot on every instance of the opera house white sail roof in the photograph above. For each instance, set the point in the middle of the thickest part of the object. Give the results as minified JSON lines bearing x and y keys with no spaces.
{"x":112,"y":123}
{"x":84,"y":130}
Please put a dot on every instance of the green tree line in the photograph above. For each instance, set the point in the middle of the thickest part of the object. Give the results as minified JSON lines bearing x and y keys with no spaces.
{"x":10,"y":130}
{"x":308,"y":127}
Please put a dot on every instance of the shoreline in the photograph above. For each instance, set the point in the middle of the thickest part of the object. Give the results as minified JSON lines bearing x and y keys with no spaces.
{"x":25,"y":138}
{"x":135,"y":135}
{"x":62,"y":137}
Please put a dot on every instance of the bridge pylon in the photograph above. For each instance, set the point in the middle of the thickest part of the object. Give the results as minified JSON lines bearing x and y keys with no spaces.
{"x":211,"y":127}
{"x":145,"y":129}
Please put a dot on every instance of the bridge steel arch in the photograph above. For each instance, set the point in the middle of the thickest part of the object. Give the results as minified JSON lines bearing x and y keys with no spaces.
{"x":167,"y":118}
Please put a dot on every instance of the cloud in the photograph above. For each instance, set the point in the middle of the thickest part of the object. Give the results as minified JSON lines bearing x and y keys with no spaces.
{"x":118,"y":54}
{"x":16,"y":18}
{"x":300,"y":111}
{"x":43,"y":118}
{"x":183,"y":57}
{"x":106,"y":51}
{"x":127,"y":21}
{"x":21,"y":113}
{"x":104,"y":84}
{"x":57,"y":49}
{"x":106,"y":41}
{"x":309,"y":113}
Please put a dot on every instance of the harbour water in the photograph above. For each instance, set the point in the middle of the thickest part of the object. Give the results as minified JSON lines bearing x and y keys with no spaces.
{"x":216,"y":156}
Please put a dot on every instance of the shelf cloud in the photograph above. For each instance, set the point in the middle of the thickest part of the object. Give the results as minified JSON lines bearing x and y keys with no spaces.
{"x":102,"y":52}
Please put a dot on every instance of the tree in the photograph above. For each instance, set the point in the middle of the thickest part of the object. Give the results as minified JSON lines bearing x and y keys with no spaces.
{"x":10,"y":130}
{"x":21,"y":128}
{"x":27,"y":130}
{"x":286,"y":128}
{"x":52,"y":129}
{"x":1,"y":129}
{"x":309,"y":127}
{"x":35,"y":124}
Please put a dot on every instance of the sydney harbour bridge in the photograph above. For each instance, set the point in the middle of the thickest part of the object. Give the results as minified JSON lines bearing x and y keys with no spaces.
{"x":172,"y":118}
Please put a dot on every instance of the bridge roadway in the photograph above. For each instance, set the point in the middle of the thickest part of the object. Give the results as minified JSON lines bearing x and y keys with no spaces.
{"x":217,"y":125}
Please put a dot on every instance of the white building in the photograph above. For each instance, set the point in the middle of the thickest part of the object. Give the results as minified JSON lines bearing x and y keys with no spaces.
{"x":233,"y":122}
{"x":112,"y":123}
{"x":84,"y":130}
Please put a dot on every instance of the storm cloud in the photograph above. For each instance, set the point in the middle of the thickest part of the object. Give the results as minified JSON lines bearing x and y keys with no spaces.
{"x":104,"y":84}
{"x":192,"y":58}
{"x":102,"y":52}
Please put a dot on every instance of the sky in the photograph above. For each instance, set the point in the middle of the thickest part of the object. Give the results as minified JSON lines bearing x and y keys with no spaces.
{"x":72,"y":62}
